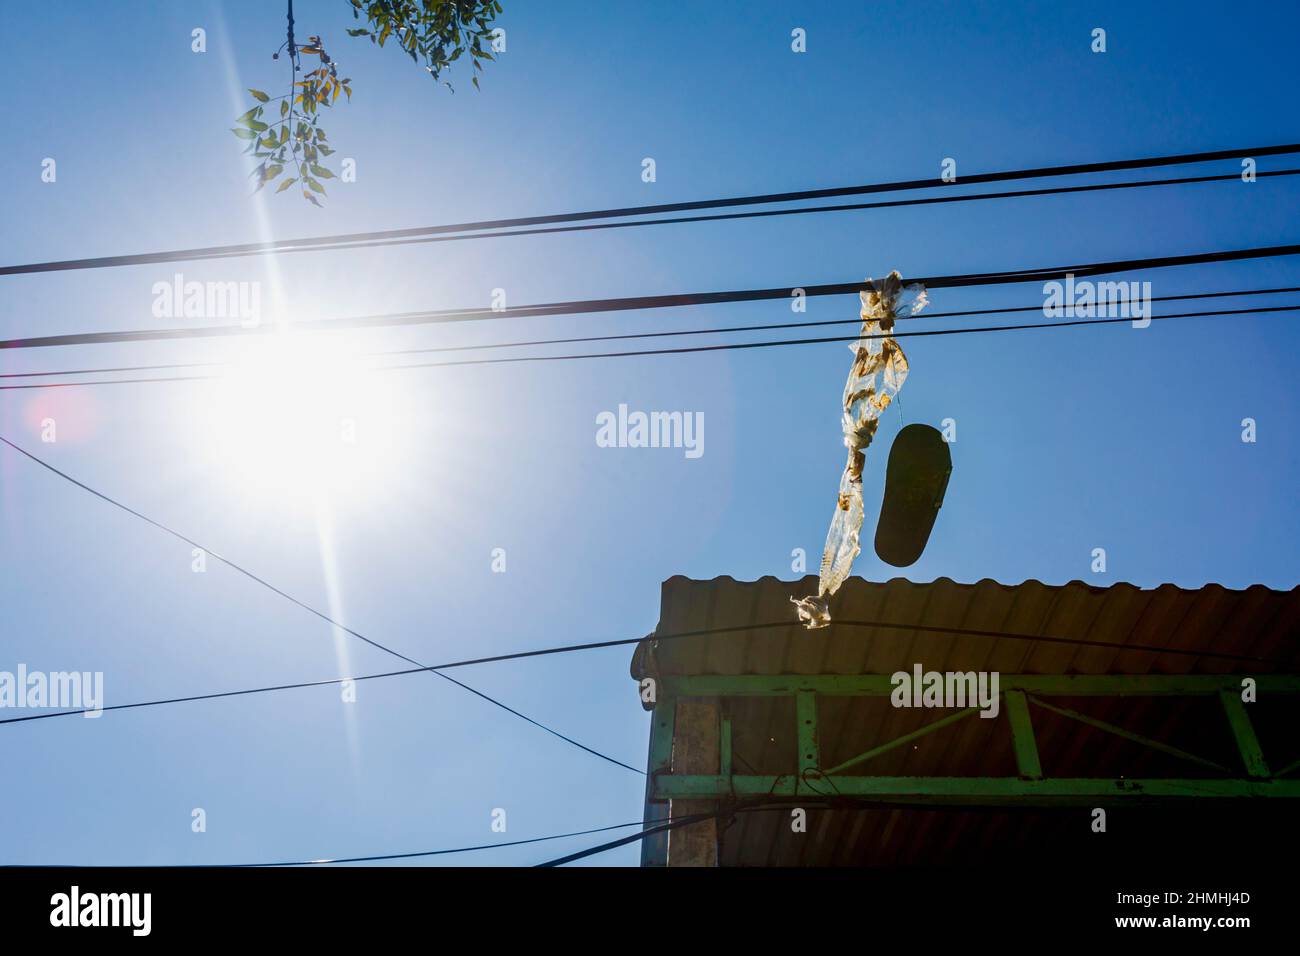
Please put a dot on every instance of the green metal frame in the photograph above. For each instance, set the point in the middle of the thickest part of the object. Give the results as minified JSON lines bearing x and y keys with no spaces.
{"x":1252,"y":779}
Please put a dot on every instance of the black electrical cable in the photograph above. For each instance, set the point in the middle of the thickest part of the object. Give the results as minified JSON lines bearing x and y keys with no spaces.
{"x":636,"y":335}
{"x":766,"y":213}
{"x":780,"y":343}
{"x":722,"y":813}
{"x":372,"y":858}
{"x":703,"y":632}
{"x":677,"y":822}
{"x":680,"y":821}
{"x":634,"y":838}
{"x":307,"y":607}
{"x":329,"y":682}
{"x":386,"y":236}
{"x":635,"y":303}
{"x":462,"y":849}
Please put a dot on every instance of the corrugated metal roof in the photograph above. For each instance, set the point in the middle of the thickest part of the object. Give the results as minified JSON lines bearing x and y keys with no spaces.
{"x":1257,"y":622}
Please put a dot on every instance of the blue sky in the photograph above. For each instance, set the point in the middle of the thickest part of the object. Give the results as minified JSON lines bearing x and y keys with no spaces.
{"x":1066,"y":441}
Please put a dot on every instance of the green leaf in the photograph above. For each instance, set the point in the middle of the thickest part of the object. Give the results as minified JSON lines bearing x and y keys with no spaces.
{"x":259,"y":95}
{"x":324,"y":149}
{"x":244,"y":133}
{"x":284,"y":107}
{"x":321,"y":171}
{"x":284,"y":134}
{"x":257,"y":126}
{"x":315,"y":186}
{"x":247,"y":118}
{"x":286,"y":184}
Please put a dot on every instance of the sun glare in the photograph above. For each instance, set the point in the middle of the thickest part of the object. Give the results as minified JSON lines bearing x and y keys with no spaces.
{"x":298,"y":414}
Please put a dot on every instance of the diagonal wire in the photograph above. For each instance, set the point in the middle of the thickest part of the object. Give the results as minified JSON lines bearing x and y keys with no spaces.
{"x":307,"y":607}
{"x":692,"y":349}
{"x":660,"y":301}
{"x":705,"y":632}
{"x":420,"y":233}
{"x":462,"y":849}
{"x":634,"y":838}
{"x":672,"y":333}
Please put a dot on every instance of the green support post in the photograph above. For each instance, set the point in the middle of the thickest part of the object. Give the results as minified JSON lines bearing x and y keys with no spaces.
{"x":1022,"y":736}
{"x":724,"y":752}
{"x":654,"y":848}
{"x":1252,"y":757}
{"x":809,"y":750}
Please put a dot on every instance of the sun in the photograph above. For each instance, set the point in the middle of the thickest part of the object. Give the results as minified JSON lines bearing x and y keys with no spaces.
{"x":300,"y":414}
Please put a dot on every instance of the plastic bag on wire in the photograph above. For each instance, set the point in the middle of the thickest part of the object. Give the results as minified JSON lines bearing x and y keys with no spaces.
{"x":875,"y":378}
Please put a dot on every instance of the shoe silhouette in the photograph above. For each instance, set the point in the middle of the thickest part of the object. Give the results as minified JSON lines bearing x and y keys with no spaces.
{"x":915,"y":481}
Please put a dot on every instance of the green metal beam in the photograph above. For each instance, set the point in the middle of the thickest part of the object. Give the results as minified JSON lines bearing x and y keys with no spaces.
{"x":1029,"y":789}
{"x":1244,"y":734}
{"x":725,"y":751}
{"x":1022,"y":736}
{"x":973,"y":791}
{"x":1042,"y":685}
{"x":809,"y":748}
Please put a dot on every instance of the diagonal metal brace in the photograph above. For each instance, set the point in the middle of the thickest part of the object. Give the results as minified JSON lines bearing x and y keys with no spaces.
{"x":899,"y":741}
{"x":1129,"y":735}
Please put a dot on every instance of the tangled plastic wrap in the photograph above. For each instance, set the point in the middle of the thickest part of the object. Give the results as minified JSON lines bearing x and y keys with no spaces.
{"x":878,"y":372}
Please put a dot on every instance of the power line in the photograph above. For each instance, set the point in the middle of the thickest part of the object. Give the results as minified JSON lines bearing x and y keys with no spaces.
{"x":675,"y":823}
{"x":307,"y":607}
{"x":732,"y":346}
{"x":636,"y":335}
{"x":462,"y":849}
{"x":901,"y":626}
{"x":329,"y":682}
{"x":768,"y":213}
{"x":637,"y":303}
{"x":387,"y":236}
{"x":759,"y":214}
{"x":634,"y":838}
{"x":670,"y":825}
{"x":386,"y":856}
